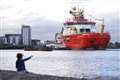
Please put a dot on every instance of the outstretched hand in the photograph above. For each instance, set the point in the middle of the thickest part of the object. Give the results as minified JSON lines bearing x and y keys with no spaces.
{"x":31,"y":56}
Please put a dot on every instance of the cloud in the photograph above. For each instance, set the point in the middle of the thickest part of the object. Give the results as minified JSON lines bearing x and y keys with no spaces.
{"x":5,"y":7}
{"x":47,"y":16}
{"x":46,"y":29}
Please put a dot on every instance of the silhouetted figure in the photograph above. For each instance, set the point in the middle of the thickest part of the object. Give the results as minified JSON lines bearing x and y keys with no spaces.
{"x":20,"y":62}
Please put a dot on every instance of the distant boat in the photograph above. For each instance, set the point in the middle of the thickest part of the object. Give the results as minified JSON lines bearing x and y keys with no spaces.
{"x":38,"y":49}
{"x":78,"y":33}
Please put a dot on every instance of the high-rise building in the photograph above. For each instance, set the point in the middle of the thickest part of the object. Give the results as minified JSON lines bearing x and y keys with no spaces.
{"x":26,"y":35}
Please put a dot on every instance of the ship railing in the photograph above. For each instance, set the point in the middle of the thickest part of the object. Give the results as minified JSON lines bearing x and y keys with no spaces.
{"x":70,"y":20}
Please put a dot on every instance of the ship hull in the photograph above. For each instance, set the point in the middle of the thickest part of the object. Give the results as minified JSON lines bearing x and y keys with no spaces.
{"x":87,"y":40}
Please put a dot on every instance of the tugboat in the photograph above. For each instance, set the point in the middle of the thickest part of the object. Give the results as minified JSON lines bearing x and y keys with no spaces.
{"x":79,"y":33}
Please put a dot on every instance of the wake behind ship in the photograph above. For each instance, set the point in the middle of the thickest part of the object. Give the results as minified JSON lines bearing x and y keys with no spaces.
{"x":79,"y":33}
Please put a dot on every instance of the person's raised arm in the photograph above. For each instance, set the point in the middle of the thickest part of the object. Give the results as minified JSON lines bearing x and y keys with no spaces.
{"x":27,"y":58}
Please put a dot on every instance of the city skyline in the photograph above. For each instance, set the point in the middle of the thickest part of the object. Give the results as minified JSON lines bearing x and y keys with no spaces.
{"x":23,"y":38}
{"x":49,"y":20}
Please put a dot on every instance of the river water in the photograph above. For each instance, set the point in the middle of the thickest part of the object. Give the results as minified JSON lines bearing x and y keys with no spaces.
{"x":70,"y":63}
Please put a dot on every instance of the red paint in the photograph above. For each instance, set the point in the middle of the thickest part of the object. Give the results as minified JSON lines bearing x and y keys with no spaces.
{"x":88,"y":40}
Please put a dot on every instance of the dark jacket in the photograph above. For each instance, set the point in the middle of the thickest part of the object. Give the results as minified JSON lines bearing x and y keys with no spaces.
{"x":20,"y":64}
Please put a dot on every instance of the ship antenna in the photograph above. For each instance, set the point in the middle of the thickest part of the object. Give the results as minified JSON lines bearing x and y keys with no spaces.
{"x":78,"y":8}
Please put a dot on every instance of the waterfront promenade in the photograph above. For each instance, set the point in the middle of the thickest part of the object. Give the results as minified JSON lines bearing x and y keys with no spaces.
{"x":12,"y":75}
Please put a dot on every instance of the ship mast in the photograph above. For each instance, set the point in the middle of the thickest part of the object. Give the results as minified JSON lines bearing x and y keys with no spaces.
{"x":78,"y":14}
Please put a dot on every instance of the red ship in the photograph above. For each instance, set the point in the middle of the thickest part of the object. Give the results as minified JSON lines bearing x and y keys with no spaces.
{"x":79,"y":33}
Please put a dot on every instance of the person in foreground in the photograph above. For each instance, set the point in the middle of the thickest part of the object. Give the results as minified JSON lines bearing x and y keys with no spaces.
{"x":20,"y":62}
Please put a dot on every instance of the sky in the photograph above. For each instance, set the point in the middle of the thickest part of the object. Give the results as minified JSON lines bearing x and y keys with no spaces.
{"x":46,"y":17}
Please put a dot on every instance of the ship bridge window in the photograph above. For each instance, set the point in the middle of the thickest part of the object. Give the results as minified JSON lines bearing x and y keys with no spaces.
{"x":84,"y":30}
{"x":87,"y":30}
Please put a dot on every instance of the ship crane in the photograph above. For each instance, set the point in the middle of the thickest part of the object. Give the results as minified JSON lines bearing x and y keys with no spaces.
{"x":101,"y":30}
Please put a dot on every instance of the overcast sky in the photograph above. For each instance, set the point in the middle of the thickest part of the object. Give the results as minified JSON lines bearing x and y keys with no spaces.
{"x":46,"y":17}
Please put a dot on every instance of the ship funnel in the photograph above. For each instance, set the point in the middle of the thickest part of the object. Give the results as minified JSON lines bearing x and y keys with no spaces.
{"x":102,"y":28}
